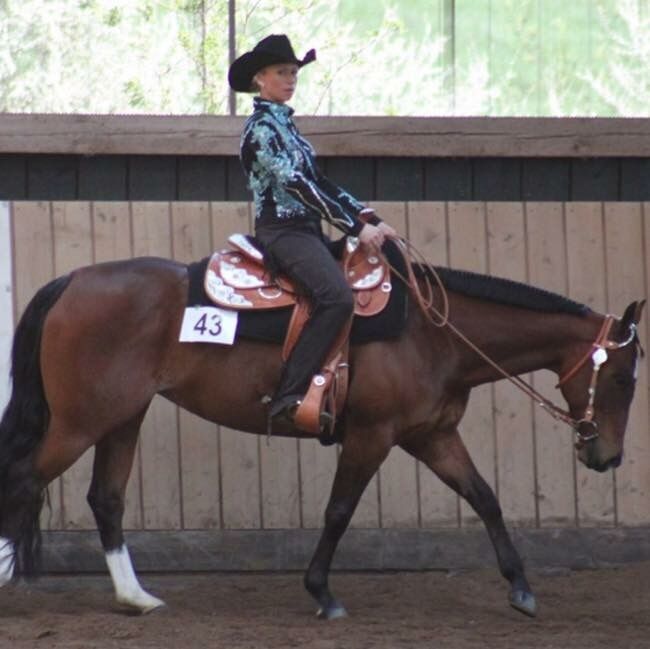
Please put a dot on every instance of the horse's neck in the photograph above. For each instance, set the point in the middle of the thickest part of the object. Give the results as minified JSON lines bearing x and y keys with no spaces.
{"x":519,"y":340}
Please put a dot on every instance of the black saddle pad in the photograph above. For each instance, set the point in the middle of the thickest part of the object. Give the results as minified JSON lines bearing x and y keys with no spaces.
{"x":271,"y":325}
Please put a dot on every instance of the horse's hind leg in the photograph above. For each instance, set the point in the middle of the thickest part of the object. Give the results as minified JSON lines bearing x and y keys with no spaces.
{"x":360,"y":458}
{"x":446,"y":455}
{"x":22,"y":501}
{"x":113,"y":461}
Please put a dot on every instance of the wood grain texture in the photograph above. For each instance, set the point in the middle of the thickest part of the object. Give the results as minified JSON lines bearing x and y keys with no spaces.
{"x":512,"y":408}
{"x":332,"y":136}
{"x":159,"y":441}
{"x":33,"y":262}
{"x":587,"y":284}
{"x":193,"y":475}
{"x":555,"y":463}
{"x":6,"y":303}
{"x":73,"y":248}
{"x":468,"y":250}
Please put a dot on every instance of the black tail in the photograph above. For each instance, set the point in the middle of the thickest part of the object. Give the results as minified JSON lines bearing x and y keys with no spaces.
{"x":22,"y":427}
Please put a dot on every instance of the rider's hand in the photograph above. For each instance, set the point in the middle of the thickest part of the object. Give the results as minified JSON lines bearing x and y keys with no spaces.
{"x":372,"y":236}
{"x":389,"y":232}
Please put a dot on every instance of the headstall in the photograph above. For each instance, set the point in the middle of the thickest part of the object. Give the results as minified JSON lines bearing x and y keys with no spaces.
{"x":598,"y":355}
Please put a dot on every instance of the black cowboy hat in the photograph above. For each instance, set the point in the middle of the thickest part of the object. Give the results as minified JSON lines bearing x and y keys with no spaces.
{"x":275,"y":48}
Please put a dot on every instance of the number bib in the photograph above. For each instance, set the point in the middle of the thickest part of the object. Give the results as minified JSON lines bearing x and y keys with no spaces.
{"x":208,"y":324}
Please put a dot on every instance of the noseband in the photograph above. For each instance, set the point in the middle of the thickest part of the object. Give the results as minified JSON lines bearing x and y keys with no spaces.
{"x":598,"y":354}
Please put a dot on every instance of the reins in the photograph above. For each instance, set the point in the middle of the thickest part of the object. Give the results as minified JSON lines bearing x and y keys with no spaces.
{"x":597,"y":351}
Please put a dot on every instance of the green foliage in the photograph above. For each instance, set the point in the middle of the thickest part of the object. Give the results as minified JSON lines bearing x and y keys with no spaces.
{"x":386,"y":57}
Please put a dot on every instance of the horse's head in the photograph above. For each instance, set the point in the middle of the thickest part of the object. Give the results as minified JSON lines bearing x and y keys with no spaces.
{"x":599,"y":394}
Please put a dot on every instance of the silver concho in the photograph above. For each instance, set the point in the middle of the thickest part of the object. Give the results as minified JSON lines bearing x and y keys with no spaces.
{"x":268,"y":295}
{"x":319,"y":380}
{"x":370,"y":280}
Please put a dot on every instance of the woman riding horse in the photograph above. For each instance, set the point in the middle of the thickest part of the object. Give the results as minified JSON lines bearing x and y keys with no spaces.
{"x":291,"y":198}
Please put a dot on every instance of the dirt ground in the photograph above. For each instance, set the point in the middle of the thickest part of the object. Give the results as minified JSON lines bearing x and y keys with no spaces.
{"x":595,"y":609}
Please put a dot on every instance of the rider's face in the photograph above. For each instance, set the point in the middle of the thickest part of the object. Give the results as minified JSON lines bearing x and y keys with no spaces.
{"x":277,"y":82}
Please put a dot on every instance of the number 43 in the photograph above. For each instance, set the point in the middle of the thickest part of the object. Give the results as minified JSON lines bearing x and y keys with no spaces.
{"x":213,"y":328}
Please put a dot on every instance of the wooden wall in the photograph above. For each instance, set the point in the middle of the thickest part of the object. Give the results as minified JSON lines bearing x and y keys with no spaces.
{"x":191,"y":474}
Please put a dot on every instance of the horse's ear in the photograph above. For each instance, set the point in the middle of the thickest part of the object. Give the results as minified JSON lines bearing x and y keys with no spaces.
{"x":632,"y":315}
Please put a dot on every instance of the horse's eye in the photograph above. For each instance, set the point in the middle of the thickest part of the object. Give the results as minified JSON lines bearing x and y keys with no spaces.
{"x":623,"y":380}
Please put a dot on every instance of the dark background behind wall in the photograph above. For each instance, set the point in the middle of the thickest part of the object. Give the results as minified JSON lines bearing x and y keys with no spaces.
{"x":219,"y":178}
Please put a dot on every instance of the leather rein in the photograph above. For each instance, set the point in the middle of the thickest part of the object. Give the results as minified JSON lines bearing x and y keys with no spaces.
{"x":597,"y":351}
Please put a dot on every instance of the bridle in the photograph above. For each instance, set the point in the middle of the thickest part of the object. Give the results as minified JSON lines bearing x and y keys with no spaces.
{"x":598,"y":354}
{"x":597,"y":351}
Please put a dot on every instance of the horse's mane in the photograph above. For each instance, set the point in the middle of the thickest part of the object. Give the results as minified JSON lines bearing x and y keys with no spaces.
{"x":502,"y":291}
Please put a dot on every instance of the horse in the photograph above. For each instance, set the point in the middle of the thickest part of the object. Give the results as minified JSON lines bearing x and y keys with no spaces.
{"x":93,"y":347}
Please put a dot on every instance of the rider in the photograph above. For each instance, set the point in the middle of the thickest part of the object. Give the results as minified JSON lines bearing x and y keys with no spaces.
{"x":291,"y":197}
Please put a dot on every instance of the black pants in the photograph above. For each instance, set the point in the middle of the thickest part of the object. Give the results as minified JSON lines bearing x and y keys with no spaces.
{"x":299,"y":251}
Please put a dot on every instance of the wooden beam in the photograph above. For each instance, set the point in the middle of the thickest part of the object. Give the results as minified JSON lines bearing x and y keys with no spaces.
{"x":360,"y":549}
{"x":332,"y":136}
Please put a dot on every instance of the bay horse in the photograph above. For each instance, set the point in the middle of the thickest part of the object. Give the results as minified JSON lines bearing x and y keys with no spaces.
{"x":93,"y":348}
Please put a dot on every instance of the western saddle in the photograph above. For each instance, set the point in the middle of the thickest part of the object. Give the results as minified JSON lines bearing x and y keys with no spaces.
{"x":237,"y":279}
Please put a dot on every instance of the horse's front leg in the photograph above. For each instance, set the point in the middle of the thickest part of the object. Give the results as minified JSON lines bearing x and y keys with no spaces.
{"x":113,"y":461}
{"x":361,"y":456}
{"x":446,"y":455}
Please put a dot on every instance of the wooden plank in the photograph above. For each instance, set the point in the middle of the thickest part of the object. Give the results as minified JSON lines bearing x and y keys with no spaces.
{"x":398,"y":474}
{"x":626,"y":282}
{"x":496,"y":179}
{"x":468,"y":251}
{"x":317,"y":469}
{"x":159,"y":444}
{"x":199,"y":439}
{"x":399,"y":179}
{"x":112,"y":241}
{"x":635,"y":179}
{"x":355,"y":174}
{"x":427,"y":230}
{"x":152,"y":178}
{"x":201,"y":178}
{"x":331,"y":136}
{"x":239,"y":452}
{"x":512,"y":408}
{"x":103,"y":178}
{"x":447,"y":550}
{"x":13,"y":177}
{"x":595,"y":179}
{"x":72,"y":249}
{"x":545,"y":179}
{"x":111,"y":230}
{"x":587,"y":284}
{"x":33,"y":261}
{"x":447,"y":179}
{"x":280,"y":483}
{"x":6,"y":304}
{"x":236,"y":181}
{"x":52,"y":177}
{"x":547,"y":268}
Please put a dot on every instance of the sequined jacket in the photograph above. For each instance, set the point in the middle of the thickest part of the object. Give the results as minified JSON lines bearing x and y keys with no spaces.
{"x":282,"y":173}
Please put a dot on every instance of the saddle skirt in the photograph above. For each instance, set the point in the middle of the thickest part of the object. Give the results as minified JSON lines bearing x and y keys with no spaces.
{"x":237,"y":279}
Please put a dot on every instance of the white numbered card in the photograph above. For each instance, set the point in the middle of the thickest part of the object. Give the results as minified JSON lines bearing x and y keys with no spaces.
{"x":208,"y":324}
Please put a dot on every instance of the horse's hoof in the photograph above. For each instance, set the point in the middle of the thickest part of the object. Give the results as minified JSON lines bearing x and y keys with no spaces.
{"x":160,"y":606}
{"x":524,"y":602}
{"x":332,"y":612}
{"x":143,"y":605}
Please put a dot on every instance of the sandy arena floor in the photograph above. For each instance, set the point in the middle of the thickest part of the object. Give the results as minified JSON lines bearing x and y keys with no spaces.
{"x":608,"y":608}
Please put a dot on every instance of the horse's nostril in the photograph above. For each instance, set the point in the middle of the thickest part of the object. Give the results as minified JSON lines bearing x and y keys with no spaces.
{"x":615,"y":462}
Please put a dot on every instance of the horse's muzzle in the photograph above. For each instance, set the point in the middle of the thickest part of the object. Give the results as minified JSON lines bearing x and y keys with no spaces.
{"x":596,"y":464}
